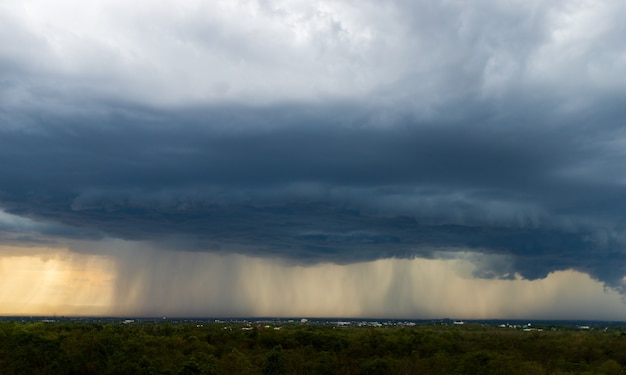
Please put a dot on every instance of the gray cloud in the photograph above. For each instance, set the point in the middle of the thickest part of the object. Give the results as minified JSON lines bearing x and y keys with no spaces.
{"x":322,"y":132}
{"x":333,"y":188}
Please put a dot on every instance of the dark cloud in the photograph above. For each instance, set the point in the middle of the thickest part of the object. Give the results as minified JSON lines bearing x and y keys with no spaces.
{"x":327,"y":184}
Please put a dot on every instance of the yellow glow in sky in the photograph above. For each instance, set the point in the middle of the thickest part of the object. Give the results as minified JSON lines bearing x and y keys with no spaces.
{"x":48,"y":281}
{"x":138,"y":280}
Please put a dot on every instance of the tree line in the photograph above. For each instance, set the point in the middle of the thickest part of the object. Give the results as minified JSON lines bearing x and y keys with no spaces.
{"x":222,"y":348}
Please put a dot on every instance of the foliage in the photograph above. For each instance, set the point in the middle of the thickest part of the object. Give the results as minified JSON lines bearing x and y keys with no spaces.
{"x":315,"y":349}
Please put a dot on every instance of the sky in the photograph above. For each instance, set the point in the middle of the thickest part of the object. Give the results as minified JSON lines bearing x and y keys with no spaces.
{"x":405,"y":159}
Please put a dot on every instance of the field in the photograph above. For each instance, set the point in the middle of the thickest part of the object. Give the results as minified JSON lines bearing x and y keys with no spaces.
{"x":291,"y":347}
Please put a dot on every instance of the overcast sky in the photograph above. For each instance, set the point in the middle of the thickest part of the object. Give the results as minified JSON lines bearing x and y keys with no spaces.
{"x":185,"y":143}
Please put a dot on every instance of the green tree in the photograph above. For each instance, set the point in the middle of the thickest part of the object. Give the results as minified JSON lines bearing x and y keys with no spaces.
{"x":475,"y":363}
{"x":190,"y":367}
{"x":235,"y":363}
{"x":376,"y":366}
{"x":275,"y":362}
{"x":610,"y":367}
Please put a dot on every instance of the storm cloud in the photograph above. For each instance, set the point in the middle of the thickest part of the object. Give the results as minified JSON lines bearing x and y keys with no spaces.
{"x":321,"y":132}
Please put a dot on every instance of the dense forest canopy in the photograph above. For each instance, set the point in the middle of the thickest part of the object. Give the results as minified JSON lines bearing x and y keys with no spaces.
{"x":164,"y":347}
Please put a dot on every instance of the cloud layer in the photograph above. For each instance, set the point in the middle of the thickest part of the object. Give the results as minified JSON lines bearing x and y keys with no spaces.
{"x":320,"y":132}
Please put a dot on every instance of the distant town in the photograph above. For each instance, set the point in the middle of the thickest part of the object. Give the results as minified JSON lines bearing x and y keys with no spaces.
{"x":278,"y":323}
